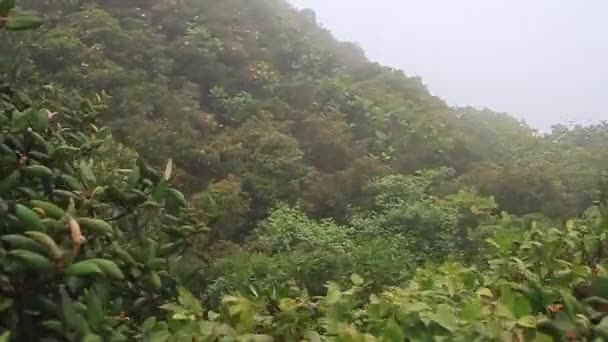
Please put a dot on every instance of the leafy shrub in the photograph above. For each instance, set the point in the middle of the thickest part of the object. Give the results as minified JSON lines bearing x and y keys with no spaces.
{"x":84,"y":246}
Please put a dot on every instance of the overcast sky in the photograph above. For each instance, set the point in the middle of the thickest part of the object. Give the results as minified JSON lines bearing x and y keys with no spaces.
{"x":542,"y":60}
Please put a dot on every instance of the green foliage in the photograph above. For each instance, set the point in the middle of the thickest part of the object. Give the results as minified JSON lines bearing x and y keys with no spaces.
{"x":84,"y":245}
{"x":286,"y":245}
{"x":225,"y":91}
{"x":434,"y":227}
{"x":535,"y":283}
{"x":231,"y":110}
{"x":343,"y":201}
{"x":287,"y":229}
{"x":224,"y":205}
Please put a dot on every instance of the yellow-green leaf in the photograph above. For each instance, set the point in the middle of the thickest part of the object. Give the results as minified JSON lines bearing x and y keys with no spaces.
{"x":527,"y":322}
{"x":356,"y":279}
{"x":485,"y":292}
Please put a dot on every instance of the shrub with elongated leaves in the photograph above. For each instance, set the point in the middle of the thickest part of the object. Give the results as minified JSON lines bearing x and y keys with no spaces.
{"x":82,"y":257}
{"x":86,"y":250}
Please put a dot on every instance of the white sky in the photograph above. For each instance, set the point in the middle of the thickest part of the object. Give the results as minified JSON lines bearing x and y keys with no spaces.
{"x":542,"y":60}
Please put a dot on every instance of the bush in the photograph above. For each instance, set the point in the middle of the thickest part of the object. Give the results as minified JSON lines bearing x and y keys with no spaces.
{"x":84,"y":246}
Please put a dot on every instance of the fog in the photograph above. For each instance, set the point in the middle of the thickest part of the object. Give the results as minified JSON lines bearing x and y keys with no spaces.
{"x":545,"y":61}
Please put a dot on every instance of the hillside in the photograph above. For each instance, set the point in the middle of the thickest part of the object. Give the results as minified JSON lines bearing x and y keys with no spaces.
{"x":310,"y":179}
{"x":199,"y":81}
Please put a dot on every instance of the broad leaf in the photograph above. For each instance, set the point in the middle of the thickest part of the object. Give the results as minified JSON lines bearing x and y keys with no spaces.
{"x":446,"y":318}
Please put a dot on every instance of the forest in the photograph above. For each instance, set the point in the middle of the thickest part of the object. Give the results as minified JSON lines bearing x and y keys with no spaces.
{"x":205,"y":170}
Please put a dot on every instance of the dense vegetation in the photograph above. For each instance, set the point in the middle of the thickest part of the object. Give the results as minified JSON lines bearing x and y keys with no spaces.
{"x":325,"y":198}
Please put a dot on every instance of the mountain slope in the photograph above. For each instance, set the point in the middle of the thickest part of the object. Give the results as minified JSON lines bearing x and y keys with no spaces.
{"x":256,"y":97}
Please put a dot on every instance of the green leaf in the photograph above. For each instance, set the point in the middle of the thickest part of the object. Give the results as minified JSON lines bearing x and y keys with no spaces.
{"x":312,"y":336}
{"x":175,"y":308}
{"x":109,"y":268}
{"x":356,"y":279}
{"x":446,"y":318}
{"x":596,"y":300}
{"x":95,"y":314}
{"x":521,"y":306}
{"x":92,"y":338}
{"x":213,"y":316}
{"x":451,"y":286}
{"x":21,"y":22}
{"x":253,"y":291}
{"x":572,"y":305}
{"x":160,"y":191}
{"x":22,"y":120}
{"x":493,"y":243}
{"x":333,"y":293}
{"x":472,"y":310}
{"x":255,"y":338}
{"x":416,"y":306}
{"x":485,"y":292}
{"x":393,"y":332}
{"x":148,"y":324}
{"x":134,"y":176}
{"x":5,"y":303}
{"x":591,"y":244}
{"x":87,"y":175}
{"x":206,"y":328}
{"x":40,"y":120}
{"x":540,"y":337}
{"x":288,"y":304}
{"x":71,"y":316}
{"x":159,"y":336}
{"x":503,"y":311}
{"x":527,"y":322}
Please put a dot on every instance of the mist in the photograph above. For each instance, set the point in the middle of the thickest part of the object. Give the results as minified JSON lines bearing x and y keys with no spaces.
{"x":544,"y":61}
